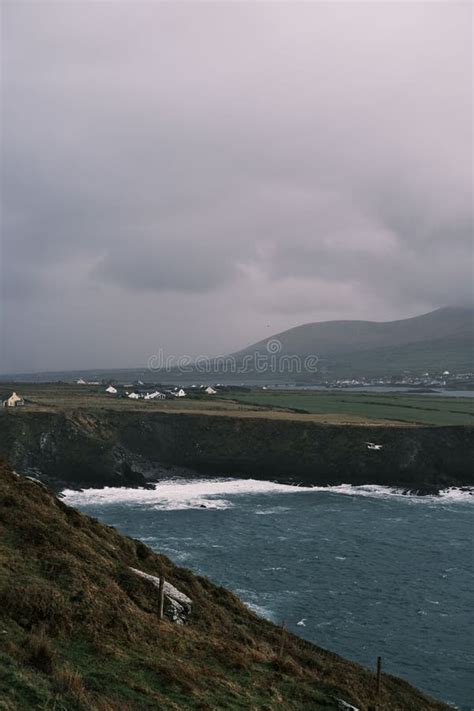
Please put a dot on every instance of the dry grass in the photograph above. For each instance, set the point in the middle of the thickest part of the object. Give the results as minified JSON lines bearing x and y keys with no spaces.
{"x":82,"y":631}
{"x":67,"y":680}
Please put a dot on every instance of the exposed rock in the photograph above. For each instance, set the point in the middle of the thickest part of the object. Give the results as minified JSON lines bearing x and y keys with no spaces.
{"x":177,"y":605}
{"x":344,"y":706}
{"x":149,"y":469}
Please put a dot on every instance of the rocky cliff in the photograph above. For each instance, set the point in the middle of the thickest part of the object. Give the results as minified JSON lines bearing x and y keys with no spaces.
{"x":110,"y":448}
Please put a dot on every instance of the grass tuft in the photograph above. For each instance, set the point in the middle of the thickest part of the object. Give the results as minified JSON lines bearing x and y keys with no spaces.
{"x":40,"y":652}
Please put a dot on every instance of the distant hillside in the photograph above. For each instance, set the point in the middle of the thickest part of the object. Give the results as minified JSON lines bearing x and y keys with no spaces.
{"x":335,"y":337}
{"x":80,"y":629}
{"x":453,"y":354}
{"x":439,"y":340}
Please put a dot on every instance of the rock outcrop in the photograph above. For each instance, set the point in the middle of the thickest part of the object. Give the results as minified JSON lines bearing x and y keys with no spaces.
{"x":177,"y":606}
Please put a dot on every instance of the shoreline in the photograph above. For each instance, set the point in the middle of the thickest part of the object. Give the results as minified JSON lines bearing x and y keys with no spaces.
{"x":62,"y":490}
{"x":109,"y":448}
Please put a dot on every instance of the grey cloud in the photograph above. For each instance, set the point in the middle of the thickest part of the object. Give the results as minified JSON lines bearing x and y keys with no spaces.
{"x":161,"y":267}
{"x":230,"y":164}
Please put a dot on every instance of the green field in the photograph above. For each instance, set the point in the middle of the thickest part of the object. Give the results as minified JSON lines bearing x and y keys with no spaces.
{"x":419,"y":409}
{"x":336,"y":407}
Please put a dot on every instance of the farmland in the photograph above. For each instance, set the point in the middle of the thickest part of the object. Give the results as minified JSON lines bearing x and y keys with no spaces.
{"x":329,"y":407}
{"x":417,"y":409}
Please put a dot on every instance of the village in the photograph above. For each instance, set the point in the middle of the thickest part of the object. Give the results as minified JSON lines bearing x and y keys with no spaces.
{"x":142,"y":392}
{"x":137,"y":391}
{"x":441,"y":379}
{"x":153,"y":392}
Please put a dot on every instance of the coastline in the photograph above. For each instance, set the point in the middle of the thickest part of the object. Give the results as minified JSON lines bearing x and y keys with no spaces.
{"x":108,"y":448}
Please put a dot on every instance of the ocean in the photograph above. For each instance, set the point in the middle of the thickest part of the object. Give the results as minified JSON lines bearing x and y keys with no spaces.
{"x":363,"y":571}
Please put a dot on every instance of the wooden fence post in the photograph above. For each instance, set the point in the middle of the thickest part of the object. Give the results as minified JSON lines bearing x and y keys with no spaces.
{"x":282,"y":641}
{"x":379,"y":672}
{"x":161,"y":596}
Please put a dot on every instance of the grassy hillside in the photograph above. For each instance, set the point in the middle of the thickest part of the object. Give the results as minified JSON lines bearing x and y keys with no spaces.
{"x":79,"y":630}
{"x":335,"y":337}
{"x":455,"y":354}
{"x":434,"y":342}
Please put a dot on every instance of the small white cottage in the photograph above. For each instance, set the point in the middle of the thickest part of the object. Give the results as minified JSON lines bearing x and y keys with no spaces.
{"x":134,"y":396}
{"x":14,"y":401}
{"x":155,"y":396}
{"x":181,"y":393}
{"x":211,"y":391}
{"x":111,"y":390}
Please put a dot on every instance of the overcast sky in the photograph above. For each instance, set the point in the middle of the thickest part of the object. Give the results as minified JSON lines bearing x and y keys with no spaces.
{"x":194,"y":177}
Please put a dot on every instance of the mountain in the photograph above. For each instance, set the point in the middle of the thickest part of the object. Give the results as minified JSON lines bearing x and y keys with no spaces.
{"x":439,"y":340}
{"x":335,"y":337}
{"x":80,"y":628}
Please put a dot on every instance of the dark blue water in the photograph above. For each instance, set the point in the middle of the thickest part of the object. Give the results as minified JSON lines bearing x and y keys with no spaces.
{"x":365,"y":572}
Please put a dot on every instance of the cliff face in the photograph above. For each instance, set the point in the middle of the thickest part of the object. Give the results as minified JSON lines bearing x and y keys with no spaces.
{"x":110,"y":448}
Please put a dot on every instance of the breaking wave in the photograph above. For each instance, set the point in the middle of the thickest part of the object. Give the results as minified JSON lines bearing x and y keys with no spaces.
{"x":176,"y":494}
{"x":451,"y":495}
{"x":172,"y":495}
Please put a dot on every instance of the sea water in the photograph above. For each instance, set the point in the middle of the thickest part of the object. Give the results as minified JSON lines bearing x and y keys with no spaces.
{"x":363,"y":571}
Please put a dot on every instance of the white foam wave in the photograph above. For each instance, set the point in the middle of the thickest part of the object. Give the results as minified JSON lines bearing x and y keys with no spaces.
{"x":175,"y":494}
{"x":456,"y":494}
{"x":260,"y":610}
{"x":200,"y":502}
{"x":178,"y":494}
{"x":272,"y":511}
{"x":451,"y":495}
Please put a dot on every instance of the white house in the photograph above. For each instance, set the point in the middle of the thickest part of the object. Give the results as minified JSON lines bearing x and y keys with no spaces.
{"x":81,"y":381}
{"x":211,"y":391}
{"x":181,"y":393}
{"x":14,"y":401}
{"x":155,"y":396}
{"x":134,"y":396}
{"x":111,"y":390}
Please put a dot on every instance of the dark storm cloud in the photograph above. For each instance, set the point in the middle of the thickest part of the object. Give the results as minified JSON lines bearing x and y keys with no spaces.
{"x":210,"y":167}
